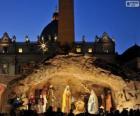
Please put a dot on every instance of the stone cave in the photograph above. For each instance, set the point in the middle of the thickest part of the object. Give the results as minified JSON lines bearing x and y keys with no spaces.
{"x":82,"y":75}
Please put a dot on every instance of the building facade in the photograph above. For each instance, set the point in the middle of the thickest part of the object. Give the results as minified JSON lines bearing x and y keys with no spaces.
{"x":18,"y":58}
{"x":56,"y":38}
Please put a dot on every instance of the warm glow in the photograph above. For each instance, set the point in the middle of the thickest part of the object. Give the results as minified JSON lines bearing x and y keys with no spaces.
{"x":78,"y":50}
{"x":43,"y":46}
{"x":20,"y":50}
{"x":4,"y":65}
{"x":55,"y":38}
{"x":89,"y":50}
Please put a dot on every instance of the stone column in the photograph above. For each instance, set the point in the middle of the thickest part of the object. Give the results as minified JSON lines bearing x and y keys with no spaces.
{"x":66,"y":22}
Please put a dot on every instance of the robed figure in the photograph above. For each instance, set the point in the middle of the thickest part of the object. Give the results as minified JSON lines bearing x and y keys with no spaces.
{"x":108,"y":101}
{"x":51,"y":99}
{"x":66,"y":100}
{"x":93,"y":103}
{"x":45,"y":102}
{"x":40,"y":104}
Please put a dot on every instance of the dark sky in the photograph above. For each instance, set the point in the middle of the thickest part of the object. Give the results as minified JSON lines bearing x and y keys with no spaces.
{"x":92,"y":17}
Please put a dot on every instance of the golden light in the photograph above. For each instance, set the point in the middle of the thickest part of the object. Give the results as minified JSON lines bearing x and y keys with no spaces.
{"x":20,"y":50}
{"x":90,"y":50}
{"x":78,"y":50}
{"x":55,"y":38}
{"x":43,"y":45}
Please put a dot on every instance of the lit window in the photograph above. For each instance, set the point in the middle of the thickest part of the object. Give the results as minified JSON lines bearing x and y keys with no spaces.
{"x":20,"y":50}
{"x":5,"y":69}
{"x":106,"y":51}
{"x":78,"y":50}
{"x":55,"y":38}
{"x":89,"y":50}
{"x":4,"y":65}
{"x":5,"y":50}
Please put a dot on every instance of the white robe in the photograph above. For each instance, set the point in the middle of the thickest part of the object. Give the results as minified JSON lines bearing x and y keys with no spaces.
{"x":93,"y":103}
{"x":45,"y":103}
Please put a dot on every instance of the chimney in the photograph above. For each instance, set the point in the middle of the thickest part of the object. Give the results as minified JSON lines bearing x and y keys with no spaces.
{"x":66,"y":22}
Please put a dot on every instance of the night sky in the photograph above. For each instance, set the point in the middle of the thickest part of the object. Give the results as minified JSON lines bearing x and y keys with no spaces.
{"x":92,"y":17}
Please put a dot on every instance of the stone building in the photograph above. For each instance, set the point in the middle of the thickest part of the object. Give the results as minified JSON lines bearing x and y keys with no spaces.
{"x":20,"y":57}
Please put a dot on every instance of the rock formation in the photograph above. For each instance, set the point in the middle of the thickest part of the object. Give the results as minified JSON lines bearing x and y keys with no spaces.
{"x":80,"y":73}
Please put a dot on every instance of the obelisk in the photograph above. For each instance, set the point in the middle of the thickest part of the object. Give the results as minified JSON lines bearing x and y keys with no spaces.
{"x":66,"y":22}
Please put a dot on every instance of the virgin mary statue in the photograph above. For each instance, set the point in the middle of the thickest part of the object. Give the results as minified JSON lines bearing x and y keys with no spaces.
{"x":93,"y":103}
{"x":66,"y":100}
